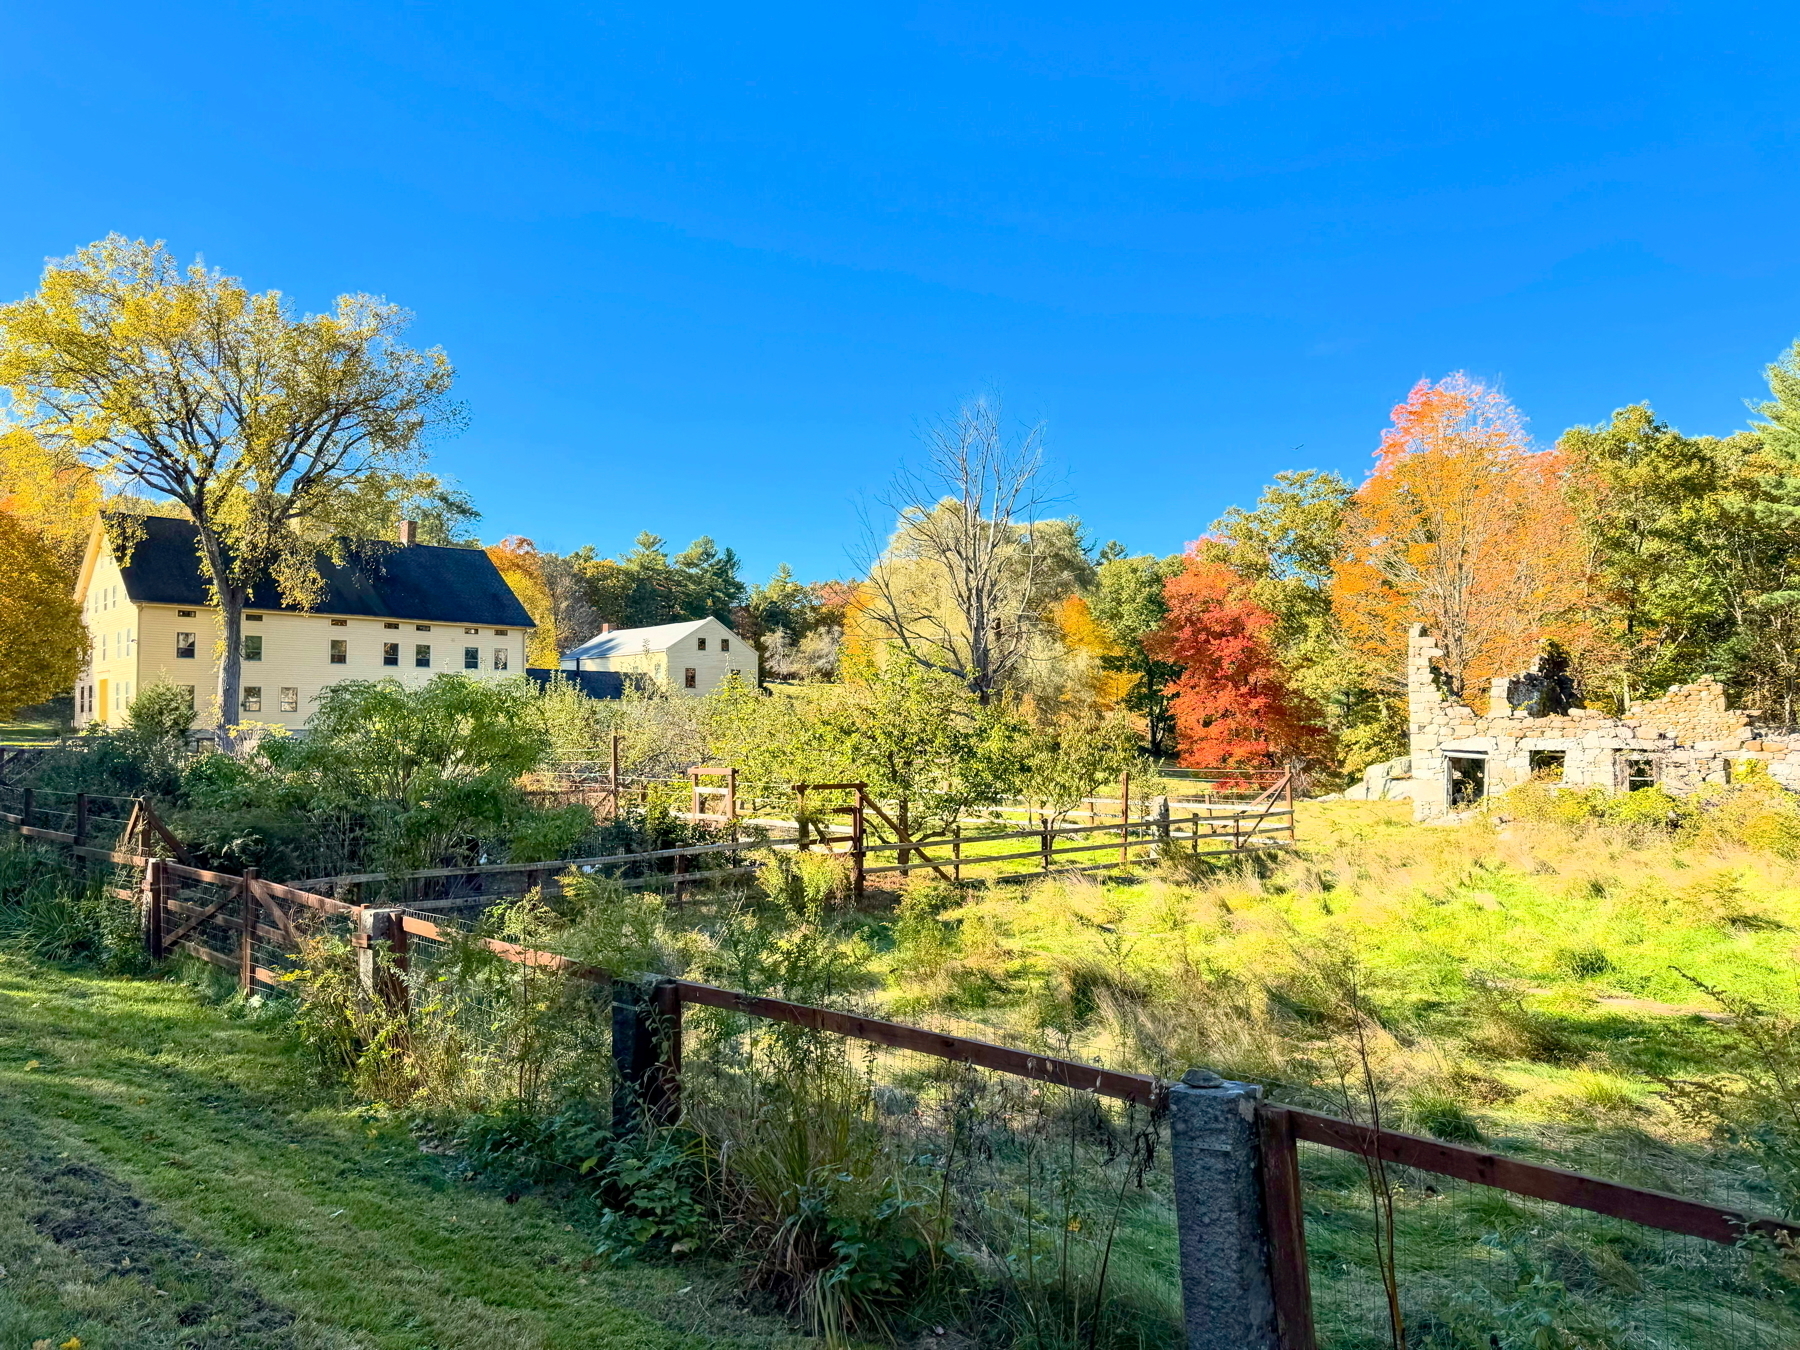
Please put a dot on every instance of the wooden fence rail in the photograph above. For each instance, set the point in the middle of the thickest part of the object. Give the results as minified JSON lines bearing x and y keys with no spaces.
{"x":647,"y":1048}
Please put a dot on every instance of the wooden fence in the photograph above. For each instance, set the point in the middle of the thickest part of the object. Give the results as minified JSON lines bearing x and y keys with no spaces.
{"x":221,"y":918}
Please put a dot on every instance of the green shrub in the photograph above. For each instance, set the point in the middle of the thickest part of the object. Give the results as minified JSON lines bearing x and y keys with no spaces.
{"x":647,"y":1188}
{"x":49,"y":913}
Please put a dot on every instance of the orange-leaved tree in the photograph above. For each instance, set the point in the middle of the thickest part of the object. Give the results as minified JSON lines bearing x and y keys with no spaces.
{"x":1463,"y":527}
{"x":522,"y":566}
{"x":1234,"y":704}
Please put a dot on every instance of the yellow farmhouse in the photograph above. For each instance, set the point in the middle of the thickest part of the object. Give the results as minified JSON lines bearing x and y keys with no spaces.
{"x":401,"y":611}
{"x":695,"y":657}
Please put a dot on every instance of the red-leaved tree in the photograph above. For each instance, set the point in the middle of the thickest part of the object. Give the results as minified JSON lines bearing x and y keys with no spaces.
{"x":1234,"y":704}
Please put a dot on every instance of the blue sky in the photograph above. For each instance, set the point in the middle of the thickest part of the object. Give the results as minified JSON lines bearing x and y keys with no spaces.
{"x":706,"y":268}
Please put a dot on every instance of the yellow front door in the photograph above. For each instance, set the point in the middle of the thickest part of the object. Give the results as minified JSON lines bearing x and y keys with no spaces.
{"x":100,"y":705}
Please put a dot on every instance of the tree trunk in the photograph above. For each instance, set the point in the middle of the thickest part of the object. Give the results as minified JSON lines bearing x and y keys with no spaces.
{"x":231,"y":637}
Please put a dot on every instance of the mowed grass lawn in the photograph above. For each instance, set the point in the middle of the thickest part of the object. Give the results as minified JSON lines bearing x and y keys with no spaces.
{"x":172,"y":1176}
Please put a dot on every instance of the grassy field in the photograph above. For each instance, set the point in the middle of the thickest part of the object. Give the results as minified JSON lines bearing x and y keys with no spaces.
{"x":171,"y":1176}
{"x":30,"y":733}
{"x":1528,"y":985}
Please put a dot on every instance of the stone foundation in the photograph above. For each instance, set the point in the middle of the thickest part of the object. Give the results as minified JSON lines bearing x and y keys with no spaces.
{"x":1681,"y":740}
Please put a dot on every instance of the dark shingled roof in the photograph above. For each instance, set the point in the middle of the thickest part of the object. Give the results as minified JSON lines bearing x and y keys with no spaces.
{"x":420,"y":582}
{"x":593,"y":683}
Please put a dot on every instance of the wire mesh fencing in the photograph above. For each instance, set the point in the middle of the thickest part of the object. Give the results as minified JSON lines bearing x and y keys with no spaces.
{"x":1403,"y":1256}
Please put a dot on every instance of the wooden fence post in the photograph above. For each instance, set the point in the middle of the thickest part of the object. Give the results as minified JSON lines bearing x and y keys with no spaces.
{"x":81,"y":834}
{"x":956,"y":850}
{"x":1287,"y":800}
{"x":1125,"y":819}
{"x":249,"y":910}
{"x":28,"y":808}
{"x":1044,"y":843}
{"x":615,"y":777}
{"x":856,"y":846}
{"x":1162,"y":821}
{"x":646,"y":1041}
{"x":1284,"y":1217}
{"x":154,"y":907}
{"x":799,"y":817}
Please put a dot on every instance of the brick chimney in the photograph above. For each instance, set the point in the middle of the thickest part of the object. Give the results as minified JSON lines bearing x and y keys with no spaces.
{"x":606,"y":628}
{"x":408,"y":529}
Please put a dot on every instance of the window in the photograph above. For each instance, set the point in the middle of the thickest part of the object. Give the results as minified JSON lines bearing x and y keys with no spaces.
{"x":471,"y":658}
{"x":187,"y":689}
{"x":1547,"y":765}
{"x":1639,"y":774}
{"x":736,"y":673}
{"x":184,"y":646}
{"x":390,"y":653}
{"x":468,"y":631}
{"x":252,"y":618}
{"x":1467,"y":780}
{"x":422,"y":654}
{"x":390,"y":625}
{"x":702,"y":644}
{"x":724,"y":644}
{"x":499,"y":658}
{"x":500,"y":632}
{"x":253,"y":647}
{"x":690,"y":679}
{"x":340,"y":651}
{"x":340,"y":623}
{"x":184,"y":613}
{"x":290,"y":699}
{"x":423,"y":627}
{"x":130,"y":640}
{"x":253,"y":698}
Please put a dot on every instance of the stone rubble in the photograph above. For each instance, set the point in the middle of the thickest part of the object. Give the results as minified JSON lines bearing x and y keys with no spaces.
{"x":1683,"y":739}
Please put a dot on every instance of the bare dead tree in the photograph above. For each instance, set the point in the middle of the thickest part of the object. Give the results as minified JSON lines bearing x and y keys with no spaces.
{"x":957,"y":586}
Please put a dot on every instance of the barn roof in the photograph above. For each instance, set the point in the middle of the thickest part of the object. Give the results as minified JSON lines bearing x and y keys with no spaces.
{"x":625,"y":641}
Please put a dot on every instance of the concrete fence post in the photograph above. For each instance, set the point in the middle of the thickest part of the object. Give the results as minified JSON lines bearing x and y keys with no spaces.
{"x":374,"y":927}
{"x":1227,"y":1297}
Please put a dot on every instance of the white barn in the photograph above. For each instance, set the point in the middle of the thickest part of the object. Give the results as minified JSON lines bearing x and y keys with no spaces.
{"x":695,"y":657}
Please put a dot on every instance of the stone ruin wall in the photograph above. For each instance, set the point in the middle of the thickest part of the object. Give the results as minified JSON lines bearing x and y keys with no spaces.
{"x":1689,"y":734}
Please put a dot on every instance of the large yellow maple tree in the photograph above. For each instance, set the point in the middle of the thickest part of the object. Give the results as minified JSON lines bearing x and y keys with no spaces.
{"x":1462,"y":526}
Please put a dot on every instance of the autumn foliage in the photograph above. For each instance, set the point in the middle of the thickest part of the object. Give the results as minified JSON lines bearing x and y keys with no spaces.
{"x":1234,"y":704}
{"x":42,"y":639}
{"x":520,"y":563}
{"x":1464,"y":527}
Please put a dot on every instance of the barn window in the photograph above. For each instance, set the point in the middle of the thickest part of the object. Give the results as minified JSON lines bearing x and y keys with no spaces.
{"x":1639,"y":774}
{"x":702,"y":644}
{"x":184,"y":646}
{"x":691,"y":678}
{"x":390,"y":653}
